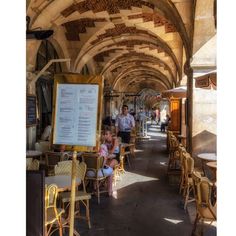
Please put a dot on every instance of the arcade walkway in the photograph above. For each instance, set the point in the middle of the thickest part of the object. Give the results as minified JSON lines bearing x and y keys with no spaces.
{"x":145,"y":203}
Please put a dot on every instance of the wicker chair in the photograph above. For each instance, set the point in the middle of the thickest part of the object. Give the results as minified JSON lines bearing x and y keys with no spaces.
{"x":52,"y":213}
{"x":52,"y":158}
{"x":202,"y":192}
{"x":169,"y":134}
{"x":173,"y":154}
{"x":32,"y":164}
{"x":188,"y":164}
{"x":182,"y":153}
{"x":119,"y":168}
{"x":95,"y":163}
{"x":64,"y":167}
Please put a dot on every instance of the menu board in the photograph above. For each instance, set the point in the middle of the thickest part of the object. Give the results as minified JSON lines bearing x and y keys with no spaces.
{"x":76,"y":114}
{"x":31,"y":118}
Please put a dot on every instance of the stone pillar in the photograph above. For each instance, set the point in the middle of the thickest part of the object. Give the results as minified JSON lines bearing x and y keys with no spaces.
{"x":189,"y":73}
{"x":30,"y":89}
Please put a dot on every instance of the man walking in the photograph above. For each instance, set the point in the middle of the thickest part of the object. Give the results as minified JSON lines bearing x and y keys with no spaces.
{"x":124,"y":124}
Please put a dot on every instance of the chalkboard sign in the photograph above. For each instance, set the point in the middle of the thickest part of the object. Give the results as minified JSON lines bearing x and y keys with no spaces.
{"x":31,"y":110}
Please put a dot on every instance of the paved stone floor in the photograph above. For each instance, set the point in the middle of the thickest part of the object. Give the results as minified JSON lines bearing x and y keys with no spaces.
{"x":144,"y":203}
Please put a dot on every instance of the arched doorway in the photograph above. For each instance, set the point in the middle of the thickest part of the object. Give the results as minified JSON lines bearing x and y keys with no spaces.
{"x":44,"y":85}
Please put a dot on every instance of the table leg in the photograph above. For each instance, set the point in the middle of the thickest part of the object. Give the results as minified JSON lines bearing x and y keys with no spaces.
{"x":203,"y":168}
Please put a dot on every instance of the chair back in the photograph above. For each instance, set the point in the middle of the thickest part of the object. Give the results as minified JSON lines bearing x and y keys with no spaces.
{"x":202,"y":193}
{"x":93,"y":161}
{"x":32,"y":165}
{"x":64,"y":167}
{"x":51,"y":193}
{"x":189,"y":162}
{"x":82,"y":167}
{"x":205,"y":192}
{"x":81,"y":170}
{"x":196,"y":180}
{"x":52,"y":158}
{"x":182,"y":151}
{"x":28,"y":162}
{"x":174,"y":143}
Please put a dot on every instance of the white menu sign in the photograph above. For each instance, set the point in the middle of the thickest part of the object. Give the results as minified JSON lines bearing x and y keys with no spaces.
{"x":76,"y":114}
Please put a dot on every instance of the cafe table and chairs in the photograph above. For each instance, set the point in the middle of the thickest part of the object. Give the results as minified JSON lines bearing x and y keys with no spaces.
{"x":63,"y":183}
{"x":95,"y":173}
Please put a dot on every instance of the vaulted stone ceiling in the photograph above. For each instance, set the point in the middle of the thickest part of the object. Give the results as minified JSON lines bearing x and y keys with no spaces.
{"x":132,"y":43}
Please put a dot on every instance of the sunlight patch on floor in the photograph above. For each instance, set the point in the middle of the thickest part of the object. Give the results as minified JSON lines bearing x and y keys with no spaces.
{"x":163,"y":163}
{"x":173,"y":221}
{"x":129,"y":178}
{"x":154,"y":134}
{"x":138,"y":150}
{"x":153,"y":129}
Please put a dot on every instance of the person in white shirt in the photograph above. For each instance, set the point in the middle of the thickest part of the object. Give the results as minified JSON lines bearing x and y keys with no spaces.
{"x":124,"y":124}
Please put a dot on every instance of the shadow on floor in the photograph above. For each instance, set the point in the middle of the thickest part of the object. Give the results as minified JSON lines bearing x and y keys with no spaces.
{"x":145,"y":203}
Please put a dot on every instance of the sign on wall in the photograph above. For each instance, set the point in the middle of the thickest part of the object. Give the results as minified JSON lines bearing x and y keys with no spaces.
{"x":31,"y":118}
{"x":76,"y":114}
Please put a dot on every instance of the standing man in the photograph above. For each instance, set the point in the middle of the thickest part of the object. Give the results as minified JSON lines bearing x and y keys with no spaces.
{"x":124,"y":124}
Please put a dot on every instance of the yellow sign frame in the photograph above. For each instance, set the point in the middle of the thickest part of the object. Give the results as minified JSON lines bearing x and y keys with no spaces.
{"x":71,"y":78}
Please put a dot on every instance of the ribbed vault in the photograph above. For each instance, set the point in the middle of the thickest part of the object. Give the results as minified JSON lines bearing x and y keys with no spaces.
{"x":132,"y":43}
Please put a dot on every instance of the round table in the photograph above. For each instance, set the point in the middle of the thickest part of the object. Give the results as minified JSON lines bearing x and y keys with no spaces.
{"x":212,"y":164}
{"x":33,"y":153}
{"x":63,"y":182}
{"x":206,"y":157}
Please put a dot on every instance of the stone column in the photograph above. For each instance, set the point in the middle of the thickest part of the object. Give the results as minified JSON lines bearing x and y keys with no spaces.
{"x":189,"y":73}
{"x":30,"y":131}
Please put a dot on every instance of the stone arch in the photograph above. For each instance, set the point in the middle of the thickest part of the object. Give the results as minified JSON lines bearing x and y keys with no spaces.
{"x":146,"y":70}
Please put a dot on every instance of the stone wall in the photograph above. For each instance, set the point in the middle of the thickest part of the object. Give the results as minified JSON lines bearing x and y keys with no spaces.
{"x":204,"y":121}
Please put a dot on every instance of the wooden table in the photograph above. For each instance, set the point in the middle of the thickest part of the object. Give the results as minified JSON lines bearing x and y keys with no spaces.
{"x":212,"y":164}
{"x":206,"y":157}
{"x":63,"y":182}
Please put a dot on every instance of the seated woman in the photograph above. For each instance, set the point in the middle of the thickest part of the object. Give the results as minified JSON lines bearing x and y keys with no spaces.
{"x":105,"y":171}
{"x":113,"y":149}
